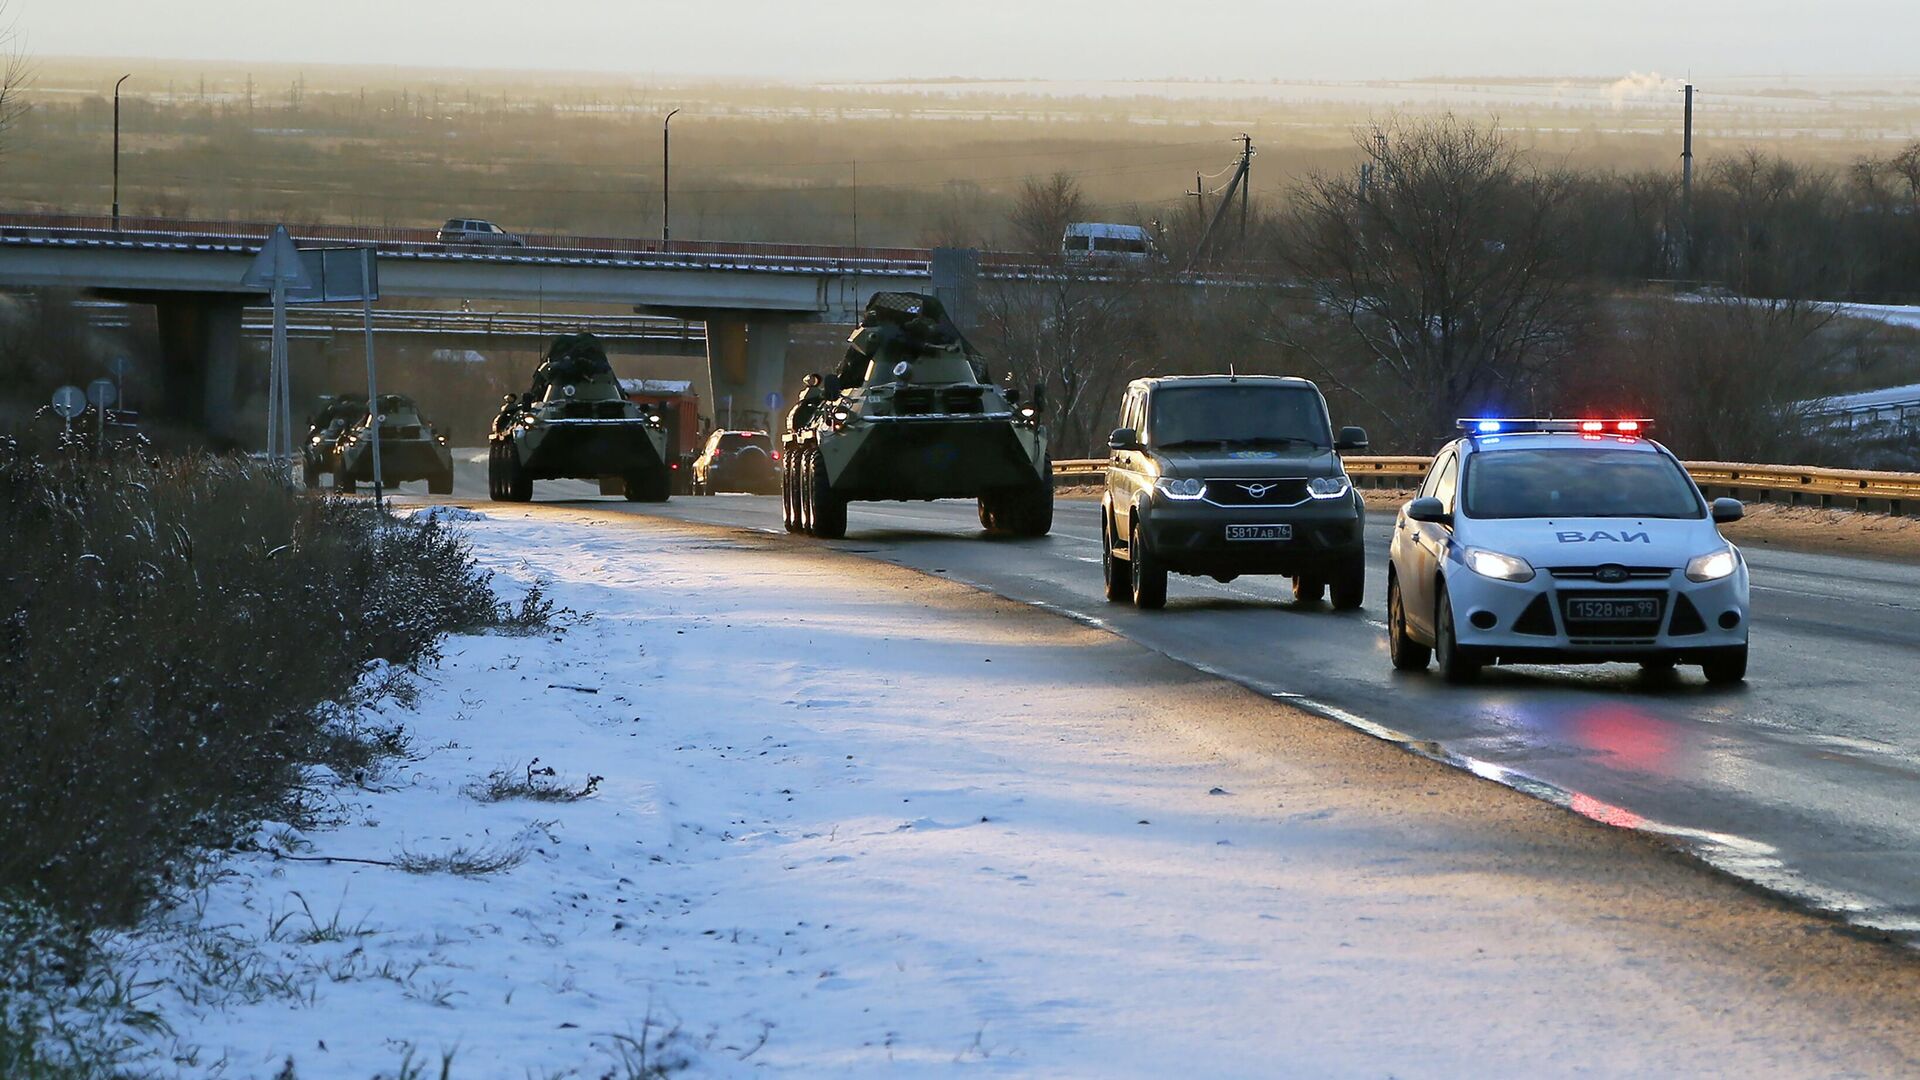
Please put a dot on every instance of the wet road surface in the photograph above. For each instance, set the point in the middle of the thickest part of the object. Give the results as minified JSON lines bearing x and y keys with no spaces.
{"x":1806,"y":780}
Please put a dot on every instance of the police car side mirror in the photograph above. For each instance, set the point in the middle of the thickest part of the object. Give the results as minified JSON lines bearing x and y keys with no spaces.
{"x":1728,"y":510}
{"x":1351,"y":438}
{"x":1123,"y":439}
{"x":1430,"y":510}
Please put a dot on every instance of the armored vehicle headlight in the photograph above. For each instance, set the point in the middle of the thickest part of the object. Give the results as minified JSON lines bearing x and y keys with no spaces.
{"x":841,"y":416}
{"x":1175,"y":488}
{"x":1497,"y":566}
{"x":1327,"y":487}
{"x":1712,"y":566}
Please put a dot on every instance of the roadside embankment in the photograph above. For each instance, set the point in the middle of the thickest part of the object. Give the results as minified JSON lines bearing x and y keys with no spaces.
{"x":811,"y":813}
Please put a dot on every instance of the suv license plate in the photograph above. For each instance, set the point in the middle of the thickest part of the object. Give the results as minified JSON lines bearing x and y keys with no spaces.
{"x":1259,"y":532}
{"x":1613,"y":610}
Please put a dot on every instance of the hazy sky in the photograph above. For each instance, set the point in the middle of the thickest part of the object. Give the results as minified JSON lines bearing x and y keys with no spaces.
{"x":851,"y":39}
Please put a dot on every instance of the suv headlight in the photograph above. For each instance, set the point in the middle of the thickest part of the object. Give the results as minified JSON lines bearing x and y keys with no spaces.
{"x":1328,"y":487}
{"x":1497,"y":566}
{"x":1174,"y":488}
{"x":1712,"y":566}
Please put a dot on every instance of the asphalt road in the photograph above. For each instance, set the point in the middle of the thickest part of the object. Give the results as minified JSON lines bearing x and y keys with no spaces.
{"x":1805,"y":781}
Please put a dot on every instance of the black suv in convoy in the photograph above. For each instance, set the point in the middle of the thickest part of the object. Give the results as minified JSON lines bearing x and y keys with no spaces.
{"x":1223,"y":475}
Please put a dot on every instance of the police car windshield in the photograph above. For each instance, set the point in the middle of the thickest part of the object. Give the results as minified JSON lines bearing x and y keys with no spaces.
{"x":1237,"y":415}
{"x":1598,"y":482}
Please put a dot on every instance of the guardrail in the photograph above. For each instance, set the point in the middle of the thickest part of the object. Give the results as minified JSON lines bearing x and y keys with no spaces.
{"x":1793,"y":485}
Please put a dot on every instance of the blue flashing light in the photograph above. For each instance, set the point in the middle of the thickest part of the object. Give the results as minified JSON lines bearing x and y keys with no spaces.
{"x":1489,"y":425}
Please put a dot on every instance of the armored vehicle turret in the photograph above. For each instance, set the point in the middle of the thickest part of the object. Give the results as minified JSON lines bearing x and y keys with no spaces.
{"x":574,"y":423}
{"x":911,"y":414}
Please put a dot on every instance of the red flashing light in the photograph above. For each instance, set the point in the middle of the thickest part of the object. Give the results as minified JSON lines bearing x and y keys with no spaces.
{"x":1629,"y":425}
{"x":674,"y":465}
{"x":1592,"y":425}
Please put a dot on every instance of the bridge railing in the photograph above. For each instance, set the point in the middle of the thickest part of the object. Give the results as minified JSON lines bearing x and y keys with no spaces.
{"x":1895,"y":493}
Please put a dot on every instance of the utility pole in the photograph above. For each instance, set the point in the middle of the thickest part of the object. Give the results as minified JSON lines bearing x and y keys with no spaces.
{"x":1686,"y":187}
{"x":1246,"y":179}
{"x":116,"y":150}
{"x":855,"y":166}
{"x":666,"y":178}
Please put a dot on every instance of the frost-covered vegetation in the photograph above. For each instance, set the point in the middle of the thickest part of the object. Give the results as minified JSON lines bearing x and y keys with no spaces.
{"x":179,"y":640}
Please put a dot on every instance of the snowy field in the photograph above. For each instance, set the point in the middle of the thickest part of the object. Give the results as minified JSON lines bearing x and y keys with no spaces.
{"x":845,"y":820}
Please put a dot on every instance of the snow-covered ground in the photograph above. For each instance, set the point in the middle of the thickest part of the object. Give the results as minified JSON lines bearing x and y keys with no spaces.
{"x":850,"y":821}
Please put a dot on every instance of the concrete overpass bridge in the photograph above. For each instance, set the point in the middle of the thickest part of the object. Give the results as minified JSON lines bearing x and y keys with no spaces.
{"x":746,"y":297}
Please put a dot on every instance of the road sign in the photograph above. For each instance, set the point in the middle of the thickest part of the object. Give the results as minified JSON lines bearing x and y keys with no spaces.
{"x":773,"y":401}
{"x":278,"y":263}
{"x":101,"y":393}
{"x":69,"y":402}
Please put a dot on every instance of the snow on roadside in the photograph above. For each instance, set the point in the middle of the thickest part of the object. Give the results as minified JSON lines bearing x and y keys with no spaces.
{"x":839,"y":827}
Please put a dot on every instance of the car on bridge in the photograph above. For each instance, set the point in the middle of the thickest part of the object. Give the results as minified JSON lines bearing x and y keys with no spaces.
{"x":1564,"y":541}
{"x":737,"y":461}
{"x":473,"y":232}
{"x":1224,"y":475}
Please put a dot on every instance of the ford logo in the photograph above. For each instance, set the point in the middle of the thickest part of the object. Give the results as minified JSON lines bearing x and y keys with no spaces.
{"x":1258,"y":491}
{"x":1611,"y":574}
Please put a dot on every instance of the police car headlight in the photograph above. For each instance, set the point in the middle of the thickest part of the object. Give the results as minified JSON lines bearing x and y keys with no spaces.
{"x":1712,"y":566}
{"x":1172,"y":488}
{"x":1497,"y":566}
{"x":1327,"y":487}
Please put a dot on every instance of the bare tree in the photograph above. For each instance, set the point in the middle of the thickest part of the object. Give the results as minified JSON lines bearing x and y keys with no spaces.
{"x":15,"y":70}
{"x":1446,"y":272}
{"x":1044,"y":209}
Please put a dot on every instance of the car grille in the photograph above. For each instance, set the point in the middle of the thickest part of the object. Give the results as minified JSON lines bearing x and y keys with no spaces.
{"x":1620,"y":631}
{"x":1286,"y":491}
{"x":1593,"y":573}
{"x":928,"y":400}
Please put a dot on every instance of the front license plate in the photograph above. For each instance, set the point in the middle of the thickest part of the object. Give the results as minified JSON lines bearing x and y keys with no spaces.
{"x":1612,"y":610}
{"x":1259,"y":532}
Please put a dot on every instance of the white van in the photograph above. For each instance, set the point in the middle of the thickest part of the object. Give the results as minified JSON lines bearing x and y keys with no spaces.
{"x":1099,"y":240}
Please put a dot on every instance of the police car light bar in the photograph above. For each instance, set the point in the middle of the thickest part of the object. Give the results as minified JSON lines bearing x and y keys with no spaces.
{"x":1501,"y":425}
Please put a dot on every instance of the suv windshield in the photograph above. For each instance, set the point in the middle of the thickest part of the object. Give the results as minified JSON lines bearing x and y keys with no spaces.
{"x":1577,"y":483}
{"x":731,"y":442}
{"x":1246,"y":414}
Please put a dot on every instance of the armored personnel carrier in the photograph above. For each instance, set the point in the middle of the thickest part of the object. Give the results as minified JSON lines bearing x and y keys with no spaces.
{"x":574,"y":423}
{"x":911,"y":414}
{"x":340,"y":444}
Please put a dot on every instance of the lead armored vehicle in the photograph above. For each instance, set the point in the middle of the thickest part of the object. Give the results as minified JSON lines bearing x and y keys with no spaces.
{"x":574,"y":423}
{"x":912,"y":415}
{"x":340,"y":444}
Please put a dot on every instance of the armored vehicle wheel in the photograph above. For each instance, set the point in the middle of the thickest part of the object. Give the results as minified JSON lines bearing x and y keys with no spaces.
{"x":441,"y":484}
{"x":787,"y":516}
{"x":829,"y":511}
{"x":515,"y":484}
{"x":496,"y":490}
{"x":1149,"y":577}
{"x":1118,"y":574}
{"x":343,"y":481}
{"x":1308,"y":589}
{"x":803,"y":491}
{"x":649,"y":486}
{"x":1349,"y":586}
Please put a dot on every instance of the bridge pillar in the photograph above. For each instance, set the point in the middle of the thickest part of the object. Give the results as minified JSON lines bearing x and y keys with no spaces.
{"x":200,"y":358}
{"x":747,"y":361}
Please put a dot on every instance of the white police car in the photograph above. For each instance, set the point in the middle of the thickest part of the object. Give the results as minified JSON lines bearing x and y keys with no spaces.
{"x":1564,"y":541}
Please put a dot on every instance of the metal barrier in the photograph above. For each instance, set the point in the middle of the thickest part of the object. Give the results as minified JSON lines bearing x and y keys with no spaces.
{"x":1794,"y":485}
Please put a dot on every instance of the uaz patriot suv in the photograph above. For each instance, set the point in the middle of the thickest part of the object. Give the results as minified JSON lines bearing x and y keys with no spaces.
{"x":1223,"y":475}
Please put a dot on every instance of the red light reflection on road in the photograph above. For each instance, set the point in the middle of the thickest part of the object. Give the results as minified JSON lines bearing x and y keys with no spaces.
{"x":1632,"y":736}
{"x":1605,"y":813}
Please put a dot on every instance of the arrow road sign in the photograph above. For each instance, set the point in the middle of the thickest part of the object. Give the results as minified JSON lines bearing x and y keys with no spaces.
{"x":69,"y":402}
{"x":101,"y":393}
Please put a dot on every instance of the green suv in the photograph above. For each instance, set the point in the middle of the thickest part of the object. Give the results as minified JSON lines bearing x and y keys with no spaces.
{"x":1224,"y":475}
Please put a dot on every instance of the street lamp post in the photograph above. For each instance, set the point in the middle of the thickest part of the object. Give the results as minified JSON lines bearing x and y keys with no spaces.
{"x":116,"y":150}
{"x":666,"y":178}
